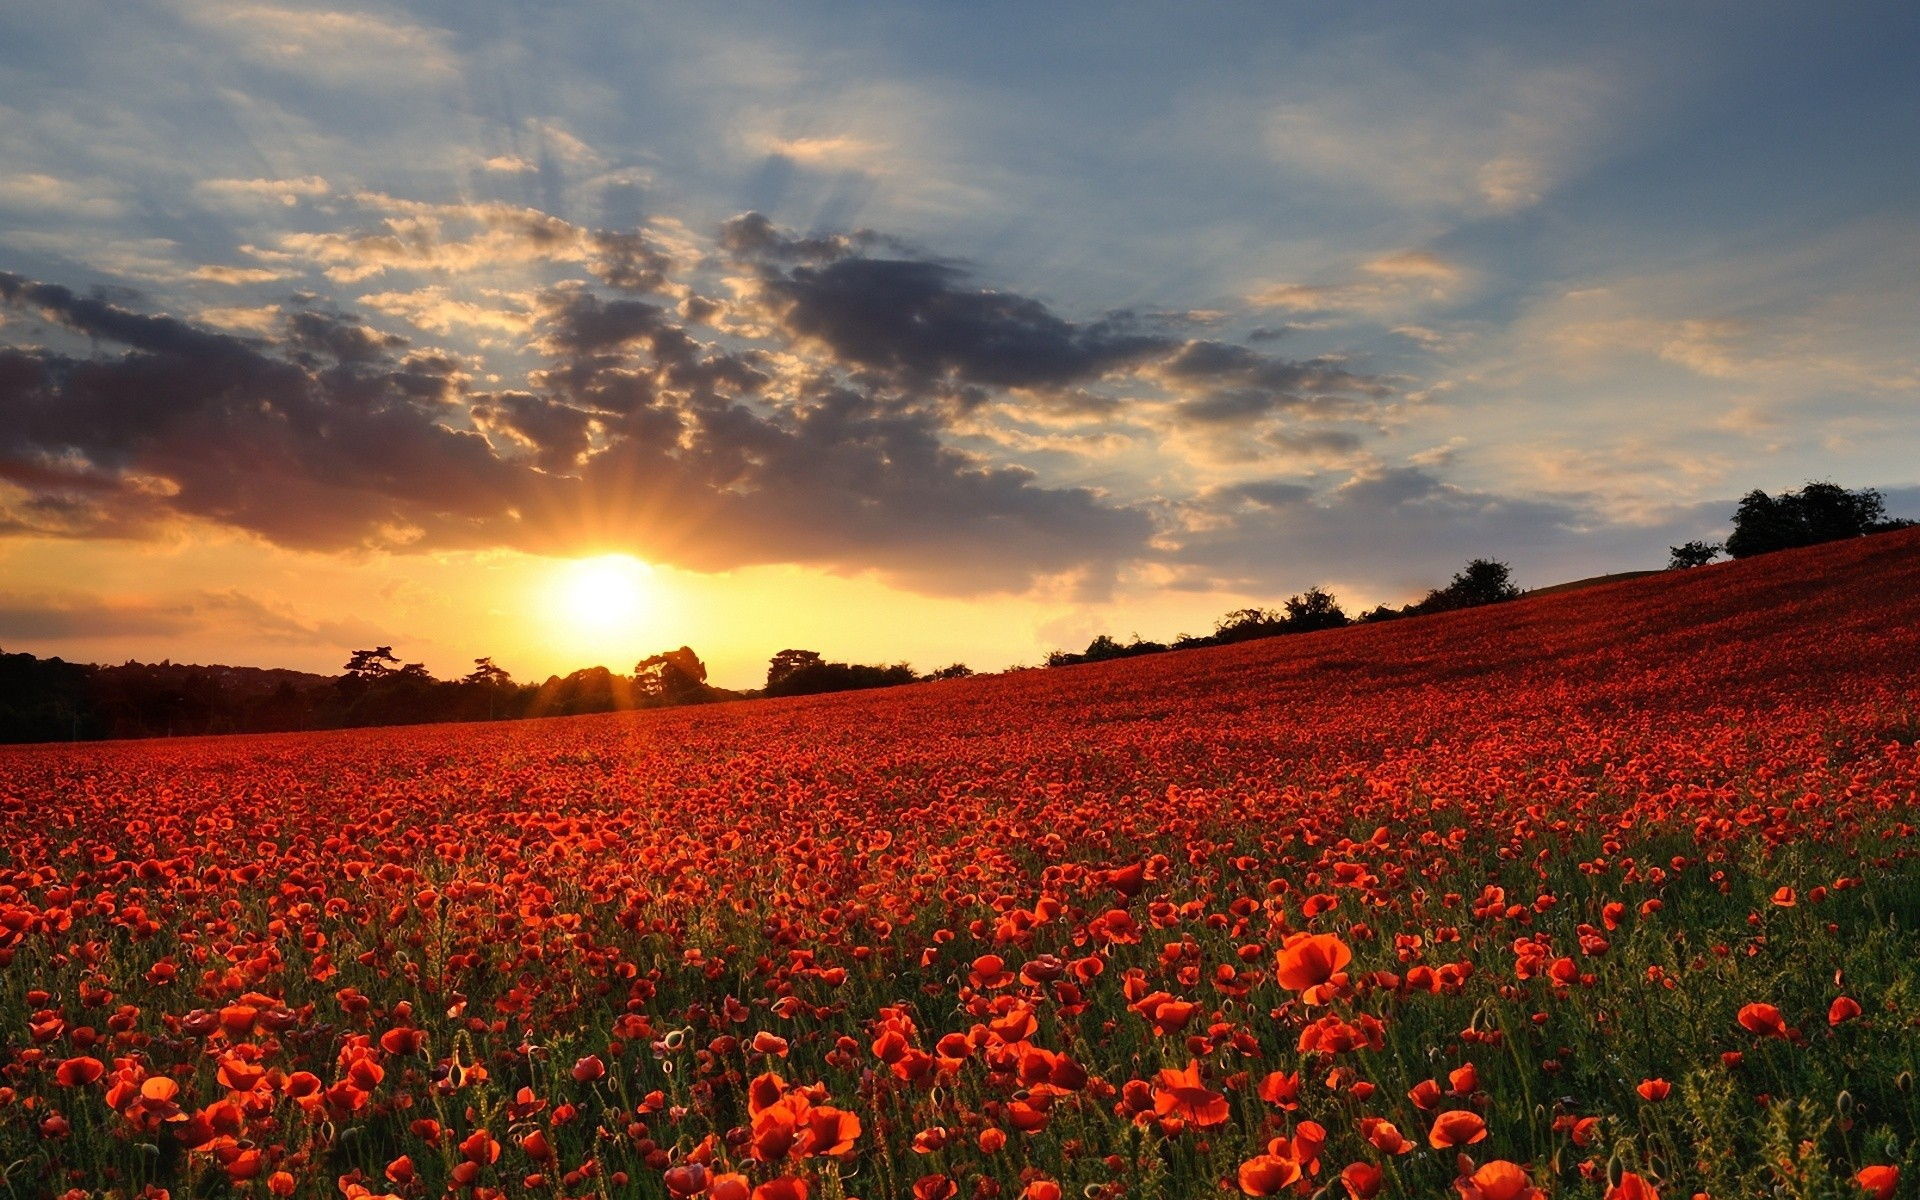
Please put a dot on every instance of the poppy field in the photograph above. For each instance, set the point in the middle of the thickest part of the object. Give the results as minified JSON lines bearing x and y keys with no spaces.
{"x":1610,"y":893}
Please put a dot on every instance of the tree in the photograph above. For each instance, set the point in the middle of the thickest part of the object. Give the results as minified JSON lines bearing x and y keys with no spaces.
{"x":369,"y":665}
{"x":788,"y":663}
{"x":492,"y":679}
{"x":1314,"y":609}
{"x":671,"y":677}
{"x":1692,"y":554}
{"x":1245,"y":624}
{"x":486,"y":672}
{"x":1830,"y":512}
{"x":952,"y":671}
{"x":805,"y":673}
{"x":1483,"y":581}
{"x":1819,"y":512}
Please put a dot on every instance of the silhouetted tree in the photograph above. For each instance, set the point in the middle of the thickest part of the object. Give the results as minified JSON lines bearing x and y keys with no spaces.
{"x":1246,"y":624}
{"x":1819,"y":512}
{"x":672,"y":677}
{"x":788,"y":662}
{"x":1314,"y":609}
{"x":805,"y":673}
{"x":368,"y":665}
{"x":1692,"y":554}
{"x":485,"y":671}
{"x":952,"y":671}
{"x":1483,"y":581}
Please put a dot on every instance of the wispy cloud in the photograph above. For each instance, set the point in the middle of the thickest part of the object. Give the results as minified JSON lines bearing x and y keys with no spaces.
{"x":333,"y":45}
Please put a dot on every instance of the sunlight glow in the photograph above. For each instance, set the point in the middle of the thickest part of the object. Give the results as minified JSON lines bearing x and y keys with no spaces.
{"x":605,"y":602}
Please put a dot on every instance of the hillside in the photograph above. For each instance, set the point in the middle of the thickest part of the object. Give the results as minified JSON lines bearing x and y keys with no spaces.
{"x":1509,"y":902}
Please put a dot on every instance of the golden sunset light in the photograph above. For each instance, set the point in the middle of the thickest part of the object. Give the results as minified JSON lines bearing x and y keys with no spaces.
{"x":910,"y":600}
{"x":605,"y":603}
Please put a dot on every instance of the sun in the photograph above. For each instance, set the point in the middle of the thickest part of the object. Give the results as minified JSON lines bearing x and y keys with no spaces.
{"x":605,"y":595}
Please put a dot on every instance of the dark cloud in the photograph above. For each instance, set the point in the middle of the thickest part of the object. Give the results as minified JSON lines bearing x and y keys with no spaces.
{"x":810,"y":419}
{"x":637,"y":435}
{"x":923,"y":323}
{"x":1229,"y":384}
{"x":752,"y":236}
{"x":325,"y":441}
{"x":920,"y":326}
{"x":557,"y":435}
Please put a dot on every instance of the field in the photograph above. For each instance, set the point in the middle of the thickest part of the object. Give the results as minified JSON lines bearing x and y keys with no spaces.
{"x":1607,"y":893}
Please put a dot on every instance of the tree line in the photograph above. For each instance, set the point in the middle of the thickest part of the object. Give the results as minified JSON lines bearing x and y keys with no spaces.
{"x":44,"y":700}
{"x":54,"y":700}
{"x":1481,"y":581}
{"x":1818,"y":512}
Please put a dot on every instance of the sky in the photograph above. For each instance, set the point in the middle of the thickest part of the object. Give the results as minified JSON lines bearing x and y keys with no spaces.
{"x":927,"y":331}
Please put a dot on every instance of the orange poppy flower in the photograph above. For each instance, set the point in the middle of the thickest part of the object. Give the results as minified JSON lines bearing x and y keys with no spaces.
{"x":1765,"y":1020}
{"x":829,"y":1131}
{"x":1632,"y":1187}
{"x":1362,"y":1180}
{"x":1457,"y":1127}
{"x":1268,"y":1174}
{"x":1498,"y":1180}
{"x":784,"y":1188}
{"x":1313,"y":964}
{"x":1180,"y":1093}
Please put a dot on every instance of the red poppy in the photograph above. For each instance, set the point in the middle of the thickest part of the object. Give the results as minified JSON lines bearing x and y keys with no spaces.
{"x":1765,"y":1020}
{"x":1879,"y":1182}
{"x":1181,"y":1094}
{"x":1268,"y":1174}
{"x":1363,"y":1181}
{"x":1498,"y":1180}
{"x":929,"y":1187}
{"x":588,"y":1069}
{"x":1313,"y":964}
{"x":1632,"y":1187}
{"x":1457,"y":1127}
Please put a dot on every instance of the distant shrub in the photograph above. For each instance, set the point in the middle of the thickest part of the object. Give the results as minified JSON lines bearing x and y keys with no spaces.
{"x":1692,"y":554}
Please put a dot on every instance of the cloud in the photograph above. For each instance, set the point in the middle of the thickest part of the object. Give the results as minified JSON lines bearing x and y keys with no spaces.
{"x":334,"y":46}
{"x":81,"y":616}
{"x":33,"y":191}
{"x":1414,"y":264}
{"x":1397,"y":281}
{"x":436,"y":310}
{"x":922,"y":322}
{"x":1468,"y":136}
{"x":261,"y":319}
{"x":328,"y":434}
{"x":922,"y":325}
{"x":237,"y":276}
{"x":837,"y":150}
{"x":461,"y":238}
{"x":1379,"y":530}
{"x":286,"y":192}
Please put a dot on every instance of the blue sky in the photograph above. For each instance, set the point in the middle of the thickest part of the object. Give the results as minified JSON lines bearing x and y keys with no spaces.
{"x":1302,"y":293}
